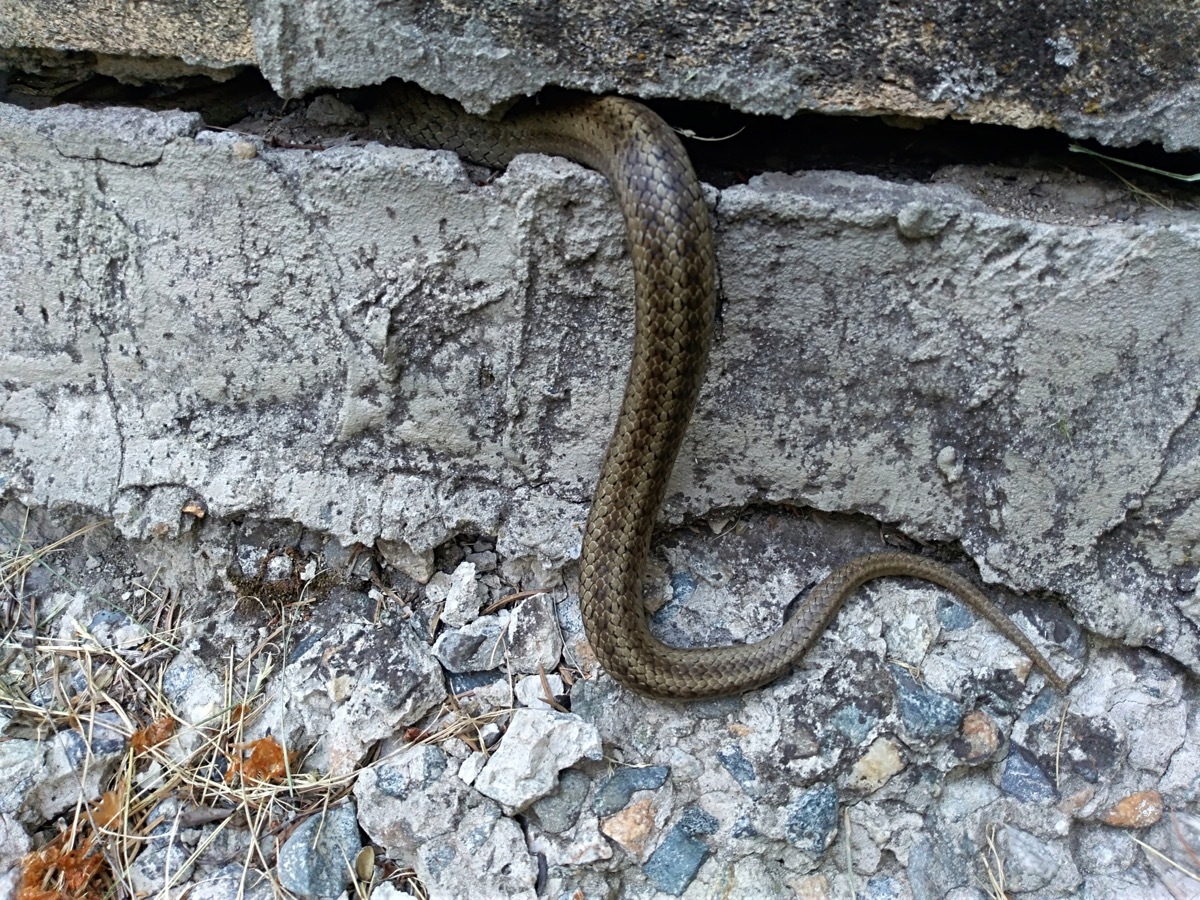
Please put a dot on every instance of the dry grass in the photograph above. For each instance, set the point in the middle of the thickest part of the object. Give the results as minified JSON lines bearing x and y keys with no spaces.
{"x":994,"y":867}
{"x":220,"y":779}
{"x":1180,"y":872}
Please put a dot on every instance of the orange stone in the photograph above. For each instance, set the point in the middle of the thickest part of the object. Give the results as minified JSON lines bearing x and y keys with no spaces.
{"x":1135,"y":811}
{"x":632,"y":826}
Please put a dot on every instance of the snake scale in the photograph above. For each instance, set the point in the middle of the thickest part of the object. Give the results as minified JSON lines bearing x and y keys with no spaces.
{"x":671,"y":244}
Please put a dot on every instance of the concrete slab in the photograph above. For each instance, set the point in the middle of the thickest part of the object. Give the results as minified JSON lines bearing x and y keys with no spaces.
{"x":381,"y":345}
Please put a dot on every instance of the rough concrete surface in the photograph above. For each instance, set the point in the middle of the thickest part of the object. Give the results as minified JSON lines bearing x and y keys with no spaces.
{"x":1120,"y":74}
{"x":380,"y":346}
{"x":365,"y":342}
{"x":214,"y":34}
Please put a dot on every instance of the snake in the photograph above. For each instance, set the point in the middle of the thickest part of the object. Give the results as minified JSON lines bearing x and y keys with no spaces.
{"x":671,"y":246}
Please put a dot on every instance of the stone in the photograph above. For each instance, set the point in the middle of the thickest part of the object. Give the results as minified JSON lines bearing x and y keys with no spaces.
{"x":978,"y":739}
{"x":24,"y":765}
{"x":14,"y":841}
{"x":410,"y":799}
{"x":1031,"y":863}
{"x":534,"y":638}
{"x":676,"y":861}
{"x":913,"y":63}
{"x":77,"y":765}
{"x":461,"y":595}
{"x":165,"y":861}
{"x":532,"y":693}
{"x":876,"y":767}
{"x":632,"y":826}
{"x":535,"y":748}
{"x":1138,"y":810}
{"x":620,"y":787}
{"x":812,"y":819}
{"x":484,"y":857}
{"x":926,"y":715}
{"x":559,"y":810}
{"x":385,"y":890}
{"x":317,"y":861}
{"x":477,"y":647}
{"x":1024,"y":777}
{"x":472,"y":766}
{"x":355,"y":683}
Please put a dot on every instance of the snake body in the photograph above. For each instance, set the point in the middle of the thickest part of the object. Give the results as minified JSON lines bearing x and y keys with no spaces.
{"x":671,"y":244}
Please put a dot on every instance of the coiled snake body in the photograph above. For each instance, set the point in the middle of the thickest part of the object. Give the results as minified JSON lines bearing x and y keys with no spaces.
{"x":670,"y":241}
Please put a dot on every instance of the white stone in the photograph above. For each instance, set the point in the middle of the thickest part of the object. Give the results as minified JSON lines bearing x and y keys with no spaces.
{"x":537,"y":746}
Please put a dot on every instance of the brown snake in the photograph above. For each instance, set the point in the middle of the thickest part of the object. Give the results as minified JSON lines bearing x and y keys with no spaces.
{"x":671,"y":243}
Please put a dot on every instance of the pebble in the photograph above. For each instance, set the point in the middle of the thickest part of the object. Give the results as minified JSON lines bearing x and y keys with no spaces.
{"x":632,"y":826}
{"x":812,"y":819}
{"x":470,"y":767}
{"x":926,"y":715}
{"x":978,"y":740}
{"x":559,"y":810}
{"x":1135,"y":811}
{"x":618,"y":790}
{"x":1024,"y":778}
{"x":1030,"y":863}
{"x":243,"y":150}
{"x":74,"y":764}
{"x":534,"y":638}
{"x":696,"y":822}
{"x":532,"y":693}
{"x":853,"y":721}
{"x":164,"y":857}
{"x":876,"y":767}
{"x":537,"y":746}
{"x":477,"y":647}
{"x":312,"y":862}
{"x":673,"y":866}
{"x":736,"y":764}
{"x":459,"y":594}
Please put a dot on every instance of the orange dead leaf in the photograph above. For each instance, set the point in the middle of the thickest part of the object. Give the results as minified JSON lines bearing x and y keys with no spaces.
{"x":56,"y":872}
{"x":266,"y":762}
{"x":152,"y":735}
{"x":107,"y":810}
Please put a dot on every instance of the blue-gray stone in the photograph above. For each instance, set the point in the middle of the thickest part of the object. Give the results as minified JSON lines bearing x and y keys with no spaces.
{"x":305,"y":644}
{"x":463,"y":682}
{"x":478,"y":646}
{"x":674,"y":865}
{"x":812,"y":818}
{"x":108,"y":618}
{"x":853,"y":722}
{"x":935,"y":868}
{"x":882,"y":887}
{"x":101,"y":737}
{"x":954,"y":616}
{"x":615,"y":793}
{"x":743,"y":827}
{"x":737,"y":765}
{"x":1024,"y":778}
{"x":439,"y":857}
{"x":165,"y":854}
{"x":411,"y":773}
{"x":317,"y":861}
{"x":695,"y":821}
{"x":682,"y":586}
{"x":926,"y":714}
{"x":560,"y":810}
